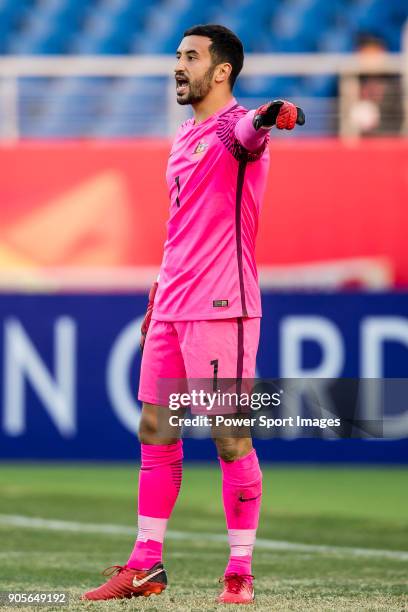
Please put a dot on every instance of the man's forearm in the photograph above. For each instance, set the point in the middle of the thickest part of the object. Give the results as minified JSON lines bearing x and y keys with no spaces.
{"x":250,"y":138}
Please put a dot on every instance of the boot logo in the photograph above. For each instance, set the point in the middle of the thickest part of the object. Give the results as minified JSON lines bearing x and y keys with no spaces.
{"x":137,"y":583}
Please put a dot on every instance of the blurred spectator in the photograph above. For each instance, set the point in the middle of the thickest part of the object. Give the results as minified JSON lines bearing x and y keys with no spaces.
{"x":379,"y":111}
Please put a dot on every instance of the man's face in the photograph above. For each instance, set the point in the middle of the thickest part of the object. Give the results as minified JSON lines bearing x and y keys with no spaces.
{"x":194,"y":70}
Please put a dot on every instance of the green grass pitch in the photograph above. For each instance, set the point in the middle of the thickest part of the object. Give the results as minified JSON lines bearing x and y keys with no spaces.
{"x":352,"y":523}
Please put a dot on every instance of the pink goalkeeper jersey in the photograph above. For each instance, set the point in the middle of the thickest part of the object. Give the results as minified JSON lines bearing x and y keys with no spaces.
{"x":216,"y":187}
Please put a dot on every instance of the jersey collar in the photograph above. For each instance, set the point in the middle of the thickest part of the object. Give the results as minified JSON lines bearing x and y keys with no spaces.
{"x":220,"y":112}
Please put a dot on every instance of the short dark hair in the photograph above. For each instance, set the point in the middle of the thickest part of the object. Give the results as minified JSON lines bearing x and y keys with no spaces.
{"x":365,"y":39}
{"x":225,"y":46}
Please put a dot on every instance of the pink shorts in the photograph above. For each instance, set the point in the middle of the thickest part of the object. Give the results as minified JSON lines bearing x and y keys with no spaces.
{"x":197,"y":349}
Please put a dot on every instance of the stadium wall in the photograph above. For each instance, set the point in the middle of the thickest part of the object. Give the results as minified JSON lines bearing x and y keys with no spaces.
{"x":70,"y":367}
{"x":105,"y":203}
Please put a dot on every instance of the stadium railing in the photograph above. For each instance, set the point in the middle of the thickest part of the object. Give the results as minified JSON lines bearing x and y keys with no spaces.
{"x":346,"y":67}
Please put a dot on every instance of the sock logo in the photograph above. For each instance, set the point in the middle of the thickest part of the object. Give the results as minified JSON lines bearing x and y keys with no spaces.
{"x":241,"y":498}
{"x":137,"y":583}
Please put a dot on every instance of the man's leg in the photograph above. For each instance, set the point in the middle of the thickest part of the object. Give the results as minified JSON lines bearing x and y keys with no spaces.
{"x":226,"y":349}
{"x":161,"y":451}
{"x":159,"y":484}
{"x":160,"y":473}
{"x":242,"y":492}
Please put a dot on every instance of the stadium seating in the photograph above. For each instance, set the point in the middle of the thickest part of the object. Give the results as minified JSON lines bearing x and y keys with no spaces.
{"x":154,"y":26}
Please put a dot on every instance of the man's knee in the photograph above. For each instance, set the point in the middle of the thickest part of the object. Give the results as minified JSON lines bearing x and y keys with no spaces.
{"x":231,"y":449}
{"x":149,"y":430}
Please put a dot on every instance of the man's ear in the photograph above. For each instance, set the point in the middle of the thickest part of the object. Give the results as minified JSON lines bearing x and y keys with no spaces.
{"x":222,"y":72}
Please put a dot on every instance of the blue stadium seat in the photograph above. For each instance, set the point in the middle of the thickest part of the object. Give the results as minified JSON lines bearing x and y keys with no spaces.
{"x":71,"y":106}
{"x":39,"y":44}
{"x":105,"y":45}
{"x":11,"y":15}
{"x":336,"y":40}
{"x":69,"y":11}
{"x":296,"y":26}
{"x":133,"y":11}
{"x":124,"y":111}
{"x":32,"y":99}
{"x":156,"y":26}
{"x":13,"y":6}
{"x":39,"y":34}
{"x":267,"y":88}
{"x":120,"y":127}
{"x":392,"y":36}
{"x":321,"y":85}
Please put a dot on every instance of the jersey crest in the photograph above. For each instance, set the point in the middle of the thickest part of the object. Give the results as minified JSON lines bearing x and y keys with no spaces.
{"x":201,"y":147}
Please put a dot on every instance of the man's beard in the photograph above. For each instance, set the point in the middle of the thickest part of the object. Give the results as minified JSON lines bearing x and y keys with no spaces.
{"x":198,"y":90}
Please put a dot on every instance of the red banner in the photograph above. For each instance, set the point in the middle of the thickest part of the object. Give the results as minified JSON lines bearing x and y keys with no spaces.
{"x":90,"y":204}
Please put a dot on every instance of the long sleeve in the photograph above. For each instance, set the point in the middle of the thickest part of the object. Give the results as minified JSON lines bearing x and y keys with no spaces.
{"x":250,"y":138}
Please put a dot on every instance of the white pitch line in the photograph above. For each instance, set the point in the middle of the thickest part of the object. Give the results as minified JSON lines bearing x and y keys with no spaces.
{"x":15,"y":520}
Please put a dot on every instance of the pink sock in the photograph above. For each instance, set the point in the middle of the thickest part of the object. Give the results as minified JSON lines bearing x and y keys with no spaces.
{"x":159,"y":485}
{"x":242,"y":492}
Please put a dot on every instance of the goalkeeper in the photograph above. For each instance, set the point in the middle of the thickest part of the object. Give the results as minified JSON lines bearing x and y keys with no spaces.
{"x":204,"y":313}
